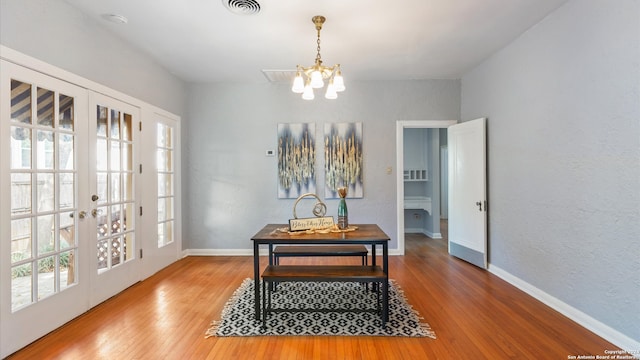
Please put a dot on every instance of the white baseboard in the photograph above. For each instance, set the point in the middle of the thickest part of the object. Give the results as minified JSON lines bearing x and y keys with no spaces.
{"x":423,"y":232}
{"x":433,"y":235}
{"x":606,"y":332}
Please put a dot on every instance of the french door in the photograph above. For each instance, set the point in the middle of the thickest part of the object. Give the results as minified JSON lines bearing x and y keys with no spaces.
{"x":69,"y":204}
{"x":114,"y":210}
{"x":44,"y":245}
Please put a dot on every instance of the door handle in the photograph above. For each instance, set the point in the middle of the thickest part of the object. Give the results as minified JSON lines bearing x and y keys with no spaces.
{"x":479,"y":204}
{"x":94,"y":197}
{"x":82,"y":214}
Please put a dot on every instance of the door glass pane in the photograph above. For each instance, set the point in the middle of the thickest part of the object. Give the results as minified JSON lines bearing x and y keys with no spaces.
{"x":129,"y":216}
{"x":45,"y":234}
{"x":20,"y":193}
{"x":21,"y":286}
{"x":20,"y":240}
{"x":67,"y":186}
{"x":127,"y":157}
{"x":65,"y":152}
{"x":161,"y":159}
{"x":103,"y":254}
{"x":44,"y":148}
{"x":128,"y":246}
{"x":161,"y":209}
{"x":101,"y":190}
{"x":20,"y":102}
{"x":101,"y":126}
{"x":116,"y":251}
{"x":101,"y":217}
{"x":20,"y":147}
{"x":101,"y":154}
{"x":45,"y":192}
{"x":169,"y":231}
{"x":127,"y":190}
{"x":115,"y":187}
{"x":126,"y":127}
{"x":116,"y":218}
{"x":67,"y":230}
{"x":67,"y":269}
{"x":115,"y":124}
{"x":115,"y":156}
{"x":46,"y":277}
{"x":45,"y":107}
{"x":66,"y":112}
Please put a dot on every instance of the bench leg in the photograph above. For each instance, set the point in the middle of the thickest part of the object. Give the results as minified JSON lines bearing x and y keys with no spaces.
{"x":264,"y":304}
{"x":365,"y":262}
{"x":385,"y":302}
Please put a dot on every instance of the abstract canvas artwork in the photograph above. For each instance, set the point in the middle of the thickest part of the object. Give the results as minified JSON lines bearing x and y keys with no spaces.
{"x":296,"y":160}
{"x":343,"y":159}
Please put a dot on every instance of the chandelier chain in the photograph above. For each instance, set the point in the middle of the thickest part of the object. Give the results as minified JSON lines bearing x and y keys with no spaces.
{"x":318,"y":57}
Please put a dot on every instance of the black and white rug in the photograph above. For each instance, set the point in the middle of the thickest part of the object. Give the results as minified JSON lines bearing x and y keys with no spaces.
{"x":238,"y":315}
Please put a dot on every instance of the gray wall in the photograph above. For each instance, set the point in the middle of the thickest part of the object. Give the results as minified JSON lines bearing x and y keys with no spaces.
{"x":58,"y":34}
{"x":563,"y":108}
{"x":229,"y":184}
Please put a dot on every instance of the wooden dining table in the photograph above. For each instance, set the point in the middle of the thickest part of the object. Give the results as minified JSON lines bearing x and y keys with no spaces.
{"x":365,"y":234}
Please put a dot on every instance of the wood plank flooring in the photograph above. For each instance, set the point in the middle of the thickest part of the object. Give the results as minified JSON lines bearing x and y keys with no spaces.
{"x":475,"y":316}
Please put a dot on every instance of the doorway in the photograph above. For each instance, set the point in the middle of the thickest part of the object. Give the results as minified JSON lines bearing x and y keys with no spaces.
{"x":400,"y":184}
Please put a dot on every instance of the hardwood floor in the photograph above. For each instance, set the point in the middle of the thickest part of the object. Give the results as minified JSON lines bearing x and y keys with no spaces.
{"x":475,"y":316}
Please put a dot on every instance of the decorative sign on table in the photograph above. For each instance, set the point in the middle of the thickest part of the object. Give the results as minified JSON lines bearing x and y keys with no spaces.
{"x":311,"y":223}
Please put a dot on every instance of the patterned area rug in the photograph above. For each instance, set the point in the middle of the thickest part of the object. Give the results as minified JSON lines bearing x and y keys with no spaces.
{"x":238,"y":314}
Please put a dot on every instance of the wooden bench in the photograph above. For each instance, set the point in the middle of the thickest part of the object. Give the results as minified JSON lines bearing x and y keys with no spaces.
{"x":322,"y":250}
{"x":303,"y":251}
{"x":324,"y":273}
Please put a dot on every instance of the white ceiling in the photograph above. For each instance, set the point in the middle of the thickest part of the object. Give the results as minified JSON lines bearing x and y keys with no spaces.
{"x":202,"y":41}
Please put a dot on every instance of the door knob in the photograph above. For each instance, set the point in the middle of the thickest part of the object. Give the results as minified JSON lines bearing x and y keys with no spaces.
{"x":82,"y":214}
{"x":94,"y":197}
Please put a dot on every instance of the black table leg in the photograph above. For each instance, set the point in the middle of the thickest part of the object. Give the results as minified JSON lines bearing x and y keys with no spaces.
{"x":385,"y":291}
{"x":256,"y":277}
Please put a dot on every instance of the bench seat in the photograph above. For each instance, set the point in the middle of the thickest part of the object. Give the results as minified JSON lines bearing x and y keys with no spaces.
{"x":337,"y":250}
{"x":322,"y":273}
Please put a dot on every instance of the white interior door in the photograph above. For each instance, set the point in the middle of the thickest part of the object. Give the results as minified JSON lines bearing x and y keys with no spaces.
{"x":113,"y":183}
{"x":467,"y":192}
{"x":44,"y":252}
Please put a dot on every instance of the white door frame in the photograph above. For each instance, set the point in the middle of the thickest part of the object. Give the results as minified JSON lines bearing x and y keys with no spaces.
{"x":400,"y":126}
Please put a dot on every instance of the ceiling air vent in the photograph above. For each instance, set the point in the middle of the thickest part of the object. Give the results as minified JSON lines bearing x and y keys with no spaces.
{"x":279,"y":76}
{"x":242,"y":7}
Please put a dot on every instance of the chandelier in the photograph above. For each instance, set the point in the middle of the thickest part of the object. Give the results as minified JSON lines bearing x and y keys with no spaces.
{"x":315,"y":75}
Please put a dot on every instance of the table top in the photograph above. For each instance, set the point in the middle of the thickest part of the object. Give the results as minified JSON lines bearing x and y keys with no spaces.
{"x":365,"y":233}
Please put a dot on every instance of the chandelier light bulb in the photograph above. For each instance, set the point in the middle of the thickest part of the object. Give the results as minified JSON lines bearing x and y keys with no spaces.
{"x":308,"y":92}
{"x":338,"y":81}
{"x":316,"y":79}
{"x":331,"y":91}
{"x":298,"y":84}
